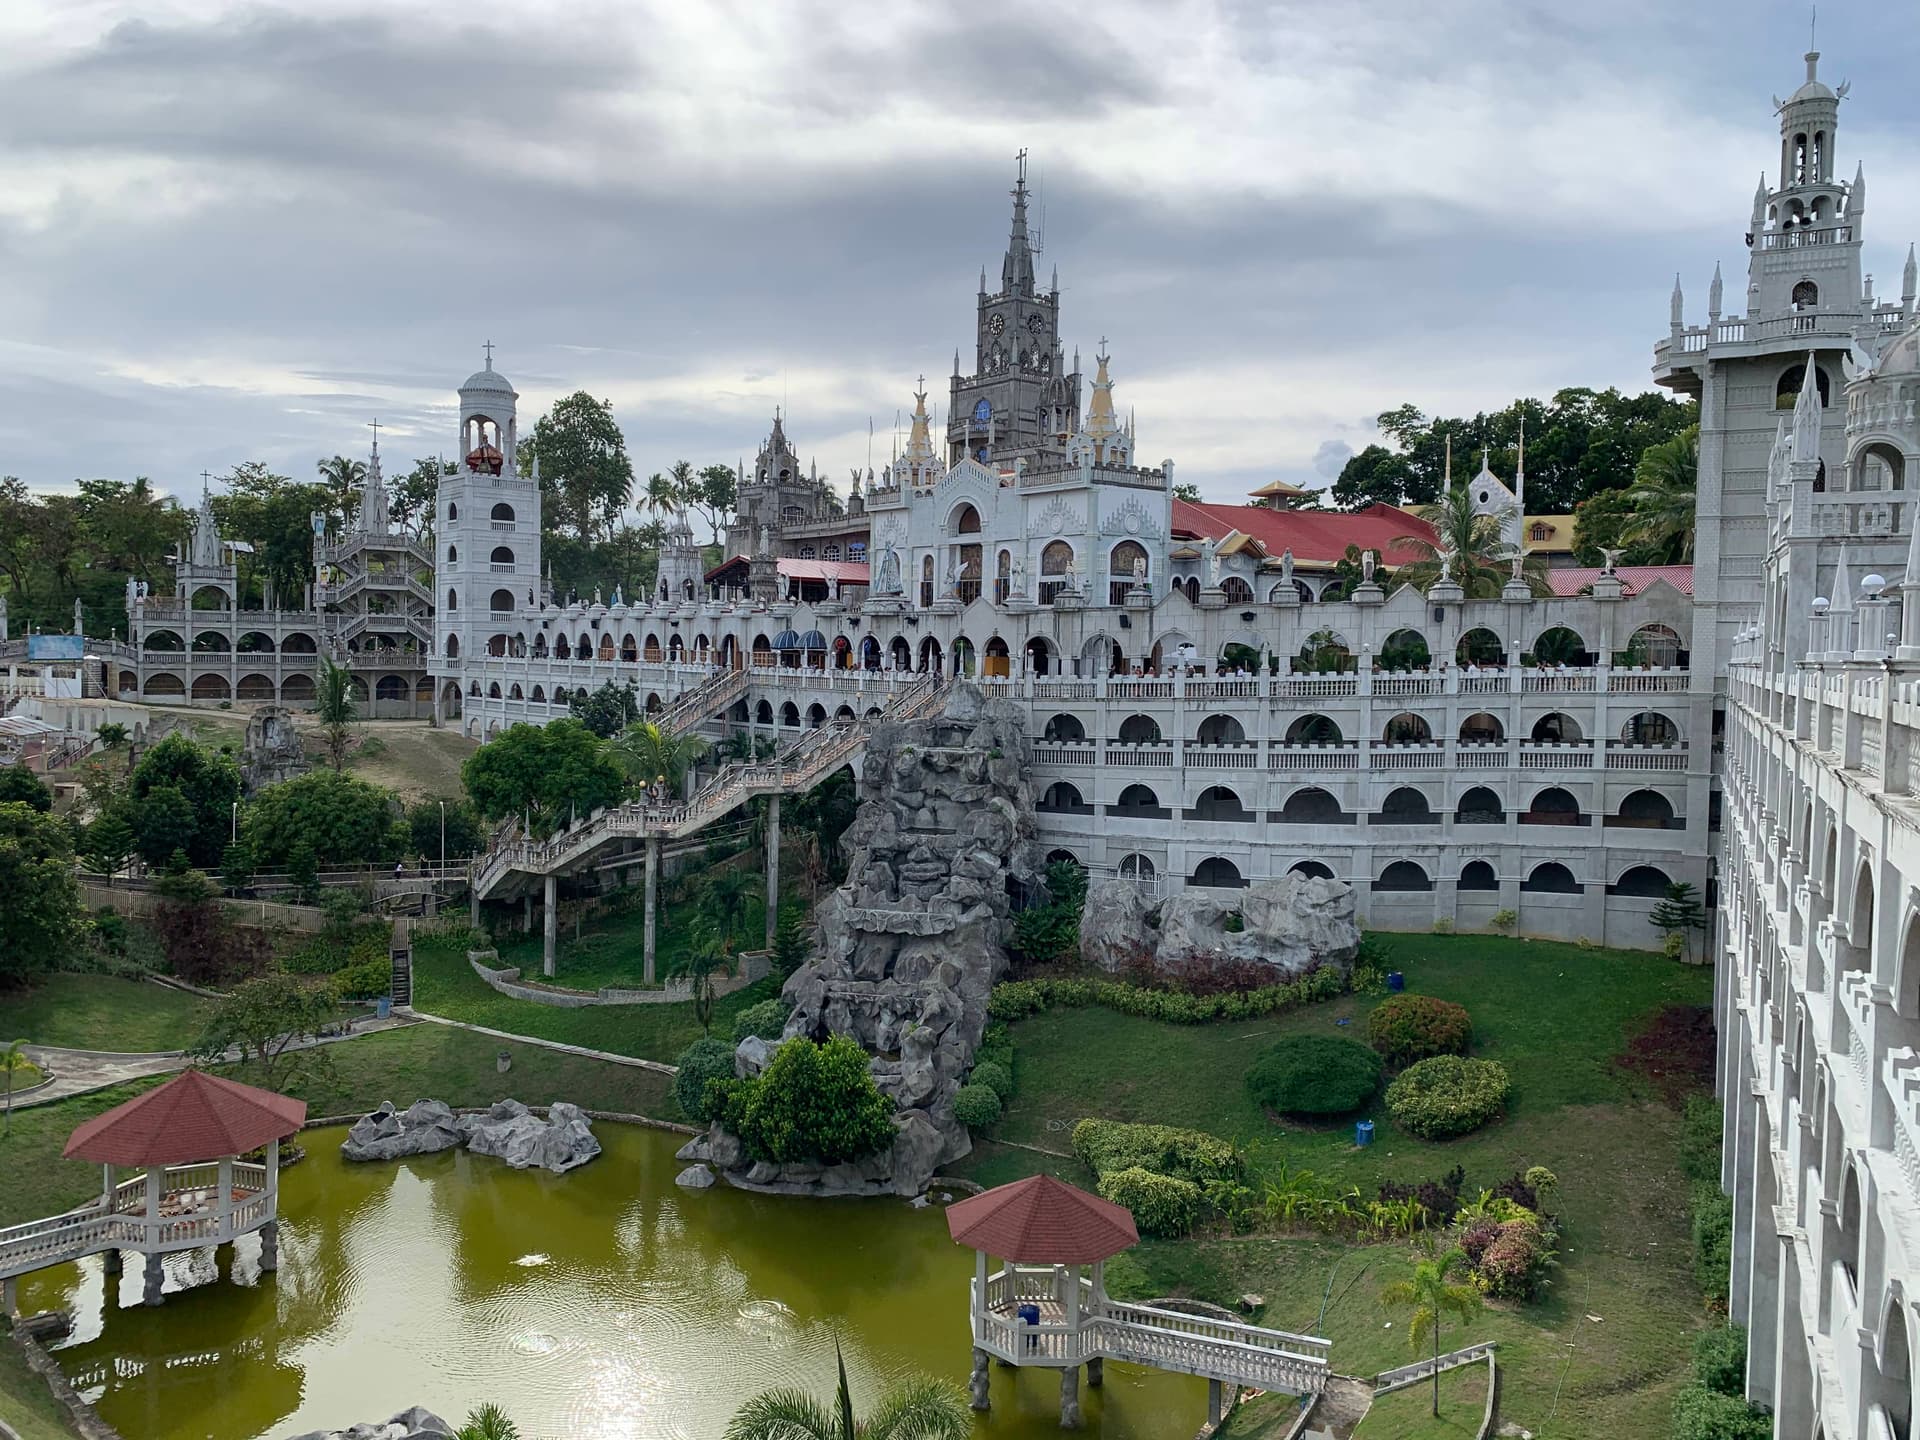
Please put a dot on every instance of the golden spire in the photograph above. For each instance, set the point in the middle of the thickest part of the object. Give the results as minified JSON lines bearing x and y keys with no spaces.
{"x":1101,"y":425}
{"x":919,"y":442}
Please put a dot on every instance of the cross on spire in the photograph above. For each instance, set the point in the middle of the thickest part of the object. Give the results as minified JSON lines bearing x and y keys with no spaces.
{"x":489,"y":349}
{"x":1022,"y":158}
{"x":374,"y":425}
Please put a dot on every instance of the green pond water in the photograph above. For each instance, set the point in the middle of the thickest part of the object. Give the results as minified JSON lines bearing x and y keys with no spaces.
{"x":603,"y":1303}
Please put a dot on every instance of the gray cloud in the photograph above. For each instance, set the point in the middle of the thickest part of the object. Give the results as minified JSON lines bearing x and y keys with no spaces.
{"x":247,"y":231}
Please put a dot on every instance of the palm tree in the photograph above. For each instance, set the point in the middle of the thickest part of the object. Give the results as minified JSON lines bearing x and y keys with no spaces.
{"x":336,"y":709}
{"x":1476,"y":555}
{"x":488,"y":1422}
{"x":918,"y":1408}
{"x":1431,"y":1296}
{"x":343,"y":479}
{"x":1661,"y":499}
{"x":660,"y":495}
{"x":12,"y":1060}
{"x":725,"y":900}
{"x":650,"y":755}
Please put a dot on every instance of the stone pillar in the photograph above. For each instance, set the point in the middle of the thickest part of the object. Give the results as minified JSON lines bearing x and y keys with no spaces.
{"x":473,"y":905}
{"x":1096,"y":1372}
{"x":155,"y":1278}
{"x":653,"y":901}
{"x":977,"y":1384}
{"x":9,"y":1297}
{"x":269,"y":1247}
{"x":773,"y":867}
{"x":1070,"y":1398}
{"x":112,"y":1263}
{"x":550,"y":925}
{"x":1215,"y":1400}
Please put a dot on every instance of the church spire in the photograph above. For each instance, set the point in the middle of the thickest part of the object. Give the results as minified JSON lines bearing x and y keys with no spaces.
{"x":1908,"y":276}
{"x":1016,"y":271}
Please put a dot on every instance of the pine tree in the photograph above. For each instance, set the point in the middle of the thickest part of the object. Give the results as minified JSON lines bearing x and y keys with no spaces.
{"x":1679,"y":913}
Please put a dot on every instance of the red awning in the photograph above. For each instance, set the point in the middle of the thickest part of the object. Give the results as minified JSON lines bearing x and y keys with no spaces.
{"x":1043,"y":1221}
{"x":193,"y":1117}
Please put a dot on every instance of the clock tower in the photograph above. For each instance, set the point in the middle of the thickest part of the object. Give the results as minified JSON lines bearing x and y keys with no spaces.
{"x":1021,"y":401}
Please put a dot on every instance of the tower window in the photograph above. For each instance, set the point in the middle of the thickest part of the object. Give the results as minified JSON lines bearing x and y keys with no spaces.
{"x":1805,"y":296}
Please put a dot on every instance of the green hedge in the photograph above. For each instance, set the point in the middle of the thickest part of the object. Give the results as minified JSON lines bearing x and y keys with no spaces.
{"x":1314,"y":1075}
{"x":1162,"y":1205}
{"x":1703,"y":1414}
{"x":1017,"y":999}
{"x":1109,"y":1146}
{"x":976,"y":1106}
{"x":706,"y":1059}
{"x":993,"y":1075}
{"x":365,"y":979}
{"x":1448,"y":1095}
{"x":766,"y":1020}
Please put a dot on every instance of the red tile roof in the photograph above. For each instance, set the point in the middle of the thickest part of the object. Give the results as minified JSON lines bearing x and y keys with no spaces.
{"x":1042,"y":1221}
{"x":847,"y":572}
{"x":193,"y":1117}
{"x":1635,"y":577}
{"x":1314,"y":536}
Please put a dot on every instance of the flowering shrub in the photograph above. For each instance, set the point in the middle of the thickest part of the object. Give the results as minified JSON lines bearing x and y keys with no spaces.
{"x":1406,"y":1028}
{"x":1107,"y":1146}
{"x":1162,"y":1205}
{"x":1315,"y":1075}
{"x":1017,"y":999}
{"x":1446,"y":1096}
{"x":1508,"y":1259}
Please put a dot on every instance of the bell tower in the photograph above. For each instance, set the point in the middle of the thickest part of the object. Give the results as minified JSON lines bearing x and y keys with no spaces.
{"x":1805,"y":232}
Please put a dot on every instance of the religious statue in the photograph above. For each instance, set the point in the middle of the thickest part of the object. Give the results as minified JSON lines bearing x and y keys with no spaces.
{"x":766,"y":541}
{"x":952,"y":575}
{"x":1286,"y":566}
{"x":1020,"y":574}
{"x":1072,"y":574}
{"x":206,"y":537}
{"x":133,"y":595}
{"x":1139,"y":569}
{"x":1446,"y":567}
{"x":616,"y":595}
{"x":1608,"y":559}
{"x":78,"y":620}
{"x":889,"y":571}
{"x":1211,"y":549}
{"x":1367,"y":562}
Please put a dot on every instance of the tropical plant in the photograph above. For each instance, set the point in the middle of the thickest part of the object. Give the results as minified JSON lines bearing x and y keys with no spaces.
{"x":1477,"y":555}
{"x":1431,"y":1295}
{"x":488,"y":1422}
{"x":266,"y":1020}
{"x":1314,"y":1075}
{"x":608,"y":710}
{"x":709,"y":955}
{"x":20,"y":786}
{"x":814,"y":1104}
{"x":706,"y":1059}
{"x":343,"y":480}
{"x":1661,"y":500}
{"x":336,"y":709}
{"x":649,"y":755}
{"x":13,"y":1060}
{"x":1679,"y":912}
{"x":916,"y":1408}
{"x":1162,"y":1205}
{"x":723,"y":900}
{"x":42,"y":916}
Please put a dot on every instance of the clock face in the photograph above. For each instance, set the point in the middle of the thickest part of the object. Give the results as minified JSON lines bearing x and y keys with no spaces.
{"x":982,"y":412}
{"x":1036,"y":323}
{"x":996,"y":324}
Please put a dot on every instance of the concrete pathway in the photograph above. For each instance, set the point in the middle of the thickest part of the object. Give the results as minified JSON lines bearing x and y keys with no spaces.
{"x":582,"y":1051}
{"x":80,"y":1072}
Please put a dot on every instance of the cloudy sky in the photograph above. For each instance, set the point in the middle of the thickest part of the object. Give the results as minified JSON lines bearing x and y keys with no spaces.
{"x":233,"y":231}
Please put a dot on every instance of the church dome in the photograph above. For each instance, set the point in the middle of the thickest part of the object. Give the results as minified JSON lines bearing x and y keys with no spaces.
{"x":488,"y":382}
{"x":1902,"y":355}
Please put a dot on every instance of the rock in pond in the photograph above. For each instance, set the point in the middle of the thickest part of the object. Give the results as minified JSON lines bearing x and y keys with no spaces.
{"x":516,"y":1135}
{"x":694,"y":1177}
{"x":424,"y":1127}
{"x":415,"y":1424}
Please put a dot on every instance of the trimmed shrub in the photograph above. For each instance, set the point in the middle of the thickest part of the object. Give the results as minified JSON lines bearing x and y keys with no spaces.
{"x":1162,"y":1205}
{"x":706,"y":1059}
{"x":976,"y":1106}
{"x":1315,"y":1075}
{"x":1448,"y":1095}
{"x":367,"y":978}
{"x":1109,"y":1146}
{"x":1720,"y":1360}
{"x":766,"y":1019}
{"x":993,"y":1075}
{"x":814,"y":1104}
{"x":1016,"y":999}
{"x":1701,"y":1414}
{"x":1406,"y":1028}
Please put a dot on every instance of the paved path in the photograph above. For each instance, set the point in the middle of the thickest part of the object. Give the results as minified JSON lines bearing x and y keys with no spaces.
{"x":80,"y":1072}
{"x":582,"y":1051}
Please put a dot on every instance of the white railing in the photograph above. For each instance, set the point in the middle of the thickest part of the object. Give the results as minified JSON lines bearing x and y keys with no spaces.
{"x":191,"y":1193}
{"x":1222,"y":757}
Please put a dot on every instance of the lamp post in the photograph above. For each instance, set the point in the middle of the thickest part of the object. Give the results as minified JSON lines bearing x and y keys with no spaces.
{"x":233,"y":831}
{"x":443,"y":835}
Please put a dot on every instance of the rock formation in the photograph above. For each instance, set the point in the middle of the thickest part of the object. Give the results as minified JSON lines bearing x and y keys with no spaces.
{"x":272,"y":751}
{"x":414,"y":1424}
{"x":508,"y":1130}
{"x":1292,"y":924}
{"x":910,"y":946}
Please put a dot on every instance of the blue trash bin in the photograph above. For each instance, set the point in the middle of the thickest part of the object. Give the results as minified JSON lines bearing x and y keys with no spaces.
{"x":1396,"y":982}
{"x":1030,"y":1315}
{"x":383,"y":1007}
{"x":1363,"y":1133}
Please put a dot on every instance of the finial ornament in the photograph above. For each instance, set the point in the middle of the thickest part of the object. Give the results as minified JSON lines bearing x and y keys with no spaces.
{"x":488,"y":347}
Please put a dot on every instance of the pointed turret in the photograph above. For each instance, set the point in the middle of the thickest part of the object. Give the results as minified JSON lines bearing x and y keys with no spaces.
{"x":1857,"y":196}
{"x":919,"y":439}
{"x":1101,"y":426}
{"x":1713,"y":294}
{"x":1909,"y":282}
{"x":1842,"y":602}
{"x":1016,"y":271}
{"x":1679,"y":304}
{"x":1760,"y":205}
{"x":1806,"y":417}
{"x":376,"y":516}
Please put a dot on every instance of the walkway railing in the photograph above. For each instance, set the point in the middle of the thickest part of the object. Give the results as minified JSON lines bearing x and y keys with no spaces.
{"x":196,"y":1218}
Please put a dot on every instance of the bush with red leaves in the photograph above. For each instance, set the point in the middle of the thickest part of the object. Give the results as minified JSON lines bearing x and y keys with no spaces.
{"x":1674,"y":1050}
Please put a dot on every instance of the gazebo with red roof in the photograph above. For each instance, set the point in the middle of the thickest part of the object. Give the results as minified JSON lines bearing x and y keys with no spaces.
{"x":187,"y":1135}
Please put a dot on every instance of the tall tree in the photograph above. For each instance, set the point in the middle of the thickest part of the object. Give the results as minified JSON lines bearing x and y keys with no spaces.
{"x":649,"y":755}
{"x":275,"y":515}
{"x":413,"y":494}
{"x":1472,"y":548}
{"x":1375,"y":476}
{"x":208,"y":781}
{"x":42,"y":916}
{"x":712,"y":496}
{"x":1432,"y":1296}
{"x":586,"y":478}
{"x":546,"y":773}
{"x":1662,"y":499}
{"x":343,"y":480}
{"x":336,"y":709}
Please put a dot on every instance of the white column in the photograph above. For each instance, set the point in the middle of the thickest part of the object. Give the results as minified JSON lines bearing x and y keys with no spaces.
{"x":223,"y":1204}
{"x":979,"y":1288}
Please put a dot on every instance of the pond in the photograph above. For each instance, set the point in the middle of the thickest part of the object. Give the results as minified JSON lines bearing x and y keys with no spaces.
{"x":603,"y":1303}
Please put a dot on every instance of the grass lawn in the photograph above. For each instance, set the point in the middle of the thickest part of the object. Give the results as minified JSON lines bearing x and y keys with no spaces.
{"x":419,"y":1062}
{"x":1554,"y":1015}
{"x":611,"y":949}
{"x":24,"y":1077}
{"x":1262,"y":1417}
{"x":104,"y":1012}
{"x":25,"y":1403}
{"x":444,"y":984}
{"x":1408,"y":1414}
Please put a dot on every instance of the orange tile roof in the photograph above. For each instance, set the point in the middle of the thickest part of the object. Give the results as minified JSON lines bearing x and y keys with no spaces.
{"x":193,"y":1117}
{"x":1043,"y":1221}
{"x":1314,"y":536}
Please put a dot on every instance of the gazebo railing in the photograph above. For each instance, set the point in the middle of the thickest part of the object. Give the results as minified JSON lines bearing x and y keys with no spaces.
{"x":123,"y":1223}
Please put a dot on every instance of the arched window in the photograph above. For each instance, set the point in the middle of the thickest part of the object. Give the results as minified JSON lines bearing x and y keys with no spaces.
{"x":1407,"y":728}
{"x":966,"y":521}
{"x":1218,"y":802}
{"x":1481,"y":728}
{"x":453,"y":599}
{"x":1136,"y":867}
{"x":1139,"y":730}
{"x":1312,"y":869}
{"x":1479,"y":806}
{"x":502,"y":555}
{"x":501,"y":602}
{"x":1556,"y":729}
{"x":453,"y":647}
{"x":1313,"y":730}
{"x":1806,"y":295}
{"x":1403,"y":876}
{"x":1217,"y":873}
{"x":1055,"y":561}
{"x":1237,"y":591}
{"x":1405,"y":650}
{"x":1648,"y":882}
{"x":1406,"y":806}
{"x":1650,"y":727}
{"x":1479,"y":646}
{"x":453,"y":555}
{"x":1786,"y":393}
{"x":1552,"y":878}
{"x":1311,"y":806}
{"x":1064,"y":729}
{"x":1126,"y":566}
{"x":1553,"y":806}
{"x":1561,"y":646}
{"x":1139,"y":802}
{"x":1220,"y":730}
{"x":1062,"y":798}
{"x":1478,"y":875}
{"x":453,"y":511}
{"x":503,"y":511}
